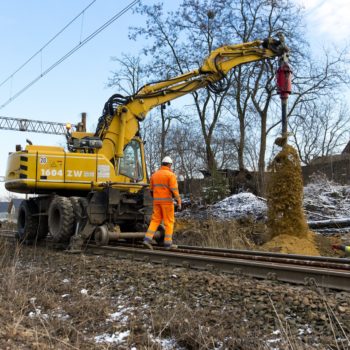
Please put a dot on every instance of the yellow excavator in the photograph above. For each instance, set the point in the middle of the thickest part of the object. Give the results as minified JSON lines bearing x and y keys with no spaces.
{"x":99,"y":186}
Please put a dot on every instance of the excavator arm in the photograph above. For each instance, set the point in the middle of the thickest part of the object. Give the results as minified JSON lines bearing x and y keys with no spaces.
{"x":118,"y":130}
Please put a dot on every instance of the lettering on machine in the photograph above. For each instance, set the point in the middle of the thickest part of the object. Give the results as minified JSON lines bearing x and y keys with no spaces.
{"x":74,"y":173}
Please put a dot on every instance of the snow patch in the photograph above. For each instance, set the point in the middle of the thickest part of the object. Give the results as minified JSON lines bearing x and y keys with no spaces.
{"x":239,"y":205}
{"x":326,"y":200}
{"x":323,"y":199}
{"x":37,"y":313}
{"x":166,"y":343}
{"x":117,"y":338}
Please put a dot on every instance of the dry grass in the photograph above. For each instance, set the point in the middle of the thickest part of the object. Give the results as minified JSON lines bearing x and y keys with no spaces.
{"x":196,"y":310}
{"x":231,"y":234}
{"x":31,"y":305}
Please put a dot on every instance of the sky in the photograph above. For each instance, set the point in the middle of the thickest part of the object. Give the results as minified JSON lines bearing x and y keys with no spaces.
{"x":79,"y":83}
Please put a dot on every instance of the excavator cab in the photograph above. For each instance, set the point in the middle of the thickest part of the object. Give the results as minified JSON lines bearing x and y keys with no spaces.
{"x":131,"y":164}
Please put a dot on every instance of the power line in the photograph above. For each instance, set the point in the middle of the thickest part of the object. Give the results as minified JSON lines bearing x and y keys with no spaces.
{"x":68,"y":54}
{"x":47,"y":44}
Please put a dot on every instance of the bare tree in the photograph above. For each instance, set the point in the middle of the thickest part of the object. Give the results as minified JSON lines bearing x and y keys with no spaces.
{"x":128,"y":79}
{"x":130,"y":76}
{"x":184,"y":146}
{"x":180,"y":42}
{"x":150,"y":130}
{"x":320,"y":130}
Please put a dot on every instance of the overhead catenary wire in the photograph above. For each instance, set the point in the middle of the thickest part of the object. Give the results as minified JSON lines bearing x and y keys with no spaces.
{"x":68,"y":54}
{"x":47,"y":44}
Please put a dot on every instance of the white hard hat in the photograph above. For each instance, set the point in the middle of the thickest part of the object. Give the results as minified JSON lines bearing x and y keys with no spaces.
{"x":167,"y":160}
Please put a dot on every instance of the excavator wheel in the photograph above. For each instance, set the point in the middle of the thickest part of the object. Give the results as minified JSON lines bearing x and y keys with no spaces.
{"x":76,"y":210}
{"x":61,"y":219}
{"x":27,"y":223}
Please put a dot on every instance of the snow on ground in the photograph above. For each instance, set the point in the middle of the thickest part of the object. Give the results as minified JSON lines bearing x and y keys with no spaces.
{"x":240,"y":205}
{"x":117,"y":338}
{"x":323,"y":199}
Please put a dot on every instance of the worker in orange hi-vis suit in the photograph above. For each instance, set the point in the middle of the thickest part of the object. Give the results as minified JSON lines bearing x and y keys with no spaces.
{"x":163,"y":188}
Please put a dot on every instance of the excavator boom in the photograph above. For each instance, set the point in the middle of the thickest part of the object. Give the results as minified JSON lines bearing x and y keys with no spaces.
{"x":124,"y":124}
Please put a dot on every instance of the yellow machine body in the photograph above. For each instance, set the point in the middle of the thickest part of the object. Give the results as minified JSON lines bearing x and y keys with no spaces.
{"x":43,"y":169}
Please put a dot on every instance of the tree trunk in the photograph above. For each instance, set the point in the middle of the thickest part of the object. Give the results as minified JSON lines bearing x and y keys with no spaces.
{"x":261,"y":165}
{"x":163,"y":133}
{"x":241,"y":145}
{"x":211,"y":163}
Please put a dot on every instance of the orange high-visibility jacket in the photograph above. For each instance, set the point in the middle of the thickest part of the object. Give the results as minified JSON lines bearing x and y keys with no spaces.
{"x":164,"y":186}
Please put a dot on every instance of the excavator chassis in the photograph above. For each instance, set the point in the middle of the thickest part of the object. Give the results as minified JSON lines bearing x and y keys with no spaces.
{"x":107,"y":215}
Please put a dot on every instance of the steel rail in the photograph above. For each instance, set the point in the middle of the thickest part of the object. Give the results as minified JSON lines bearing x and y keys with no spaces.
{"x":333,"y":278}
{"x":325,"y":272}
{"x":304,"y":260}
{"x":262,"y":253}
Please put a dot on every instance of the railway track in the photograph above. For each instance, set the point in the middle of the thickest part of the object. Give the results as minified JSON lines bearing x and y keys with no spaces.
{"x":324,"y":272}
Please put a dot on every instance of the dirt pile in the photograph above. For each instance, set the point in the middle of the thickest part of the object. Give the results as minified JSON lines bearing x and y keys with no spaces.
{"x":286,"y":221}
{"x":285,"y":215}
{"x":290,"y":244}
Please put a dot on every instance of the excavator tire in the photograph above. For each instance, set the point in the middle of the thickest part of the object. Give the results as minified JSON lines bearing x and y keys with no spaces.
{"x":61,"y":219}
{"x":76,"y":210}
{"x":27,"y":223}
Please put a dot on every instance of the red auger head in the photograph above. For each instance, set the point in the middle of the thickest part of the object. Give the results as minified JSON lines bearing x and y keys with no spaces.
{"x":284,"y":80}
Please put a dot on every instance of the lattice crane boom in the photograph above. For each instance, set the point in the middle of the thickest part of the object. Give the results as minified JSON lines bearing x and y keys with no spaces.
{"x":39,"y":126}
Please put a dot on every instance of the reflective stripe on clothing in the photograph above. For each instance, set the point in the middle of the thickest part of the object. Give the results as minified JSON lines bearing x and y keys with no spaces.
{"x":168,"y":239}
{"x":163,"y":212}
{"x":170,"y":200}
{"x":164,"y":186}
{"x":149,"y":235}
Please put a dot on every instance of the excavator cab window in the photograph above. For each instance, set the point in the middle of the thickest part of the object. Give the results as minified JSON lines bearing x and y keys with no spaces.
{"x":131,"y":163}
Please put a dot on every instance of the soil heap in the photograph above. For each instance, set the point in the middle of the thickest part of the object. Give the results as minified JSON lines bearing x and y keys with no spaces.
{"x":286,"y":220}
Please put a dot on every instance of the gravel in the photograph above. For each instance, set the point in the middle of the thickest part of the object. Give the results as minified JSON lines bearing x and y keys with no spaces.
{"x":134,"y":305}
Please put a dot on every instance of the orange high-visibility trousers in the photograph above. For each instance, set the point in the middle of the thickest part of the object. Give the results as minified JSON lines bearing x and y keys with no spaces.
{"x":165,"y":213}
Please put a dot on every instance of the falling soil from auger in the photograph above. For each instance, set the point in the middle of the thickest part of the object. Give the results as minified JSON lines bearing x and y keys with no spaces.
{"x":286,"y":223}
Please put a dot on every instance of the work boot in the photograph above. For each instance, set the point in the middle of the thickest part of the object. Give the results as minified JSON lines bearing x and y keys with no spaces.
{"x":147,"y":245}
{"x":170,"y":247}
